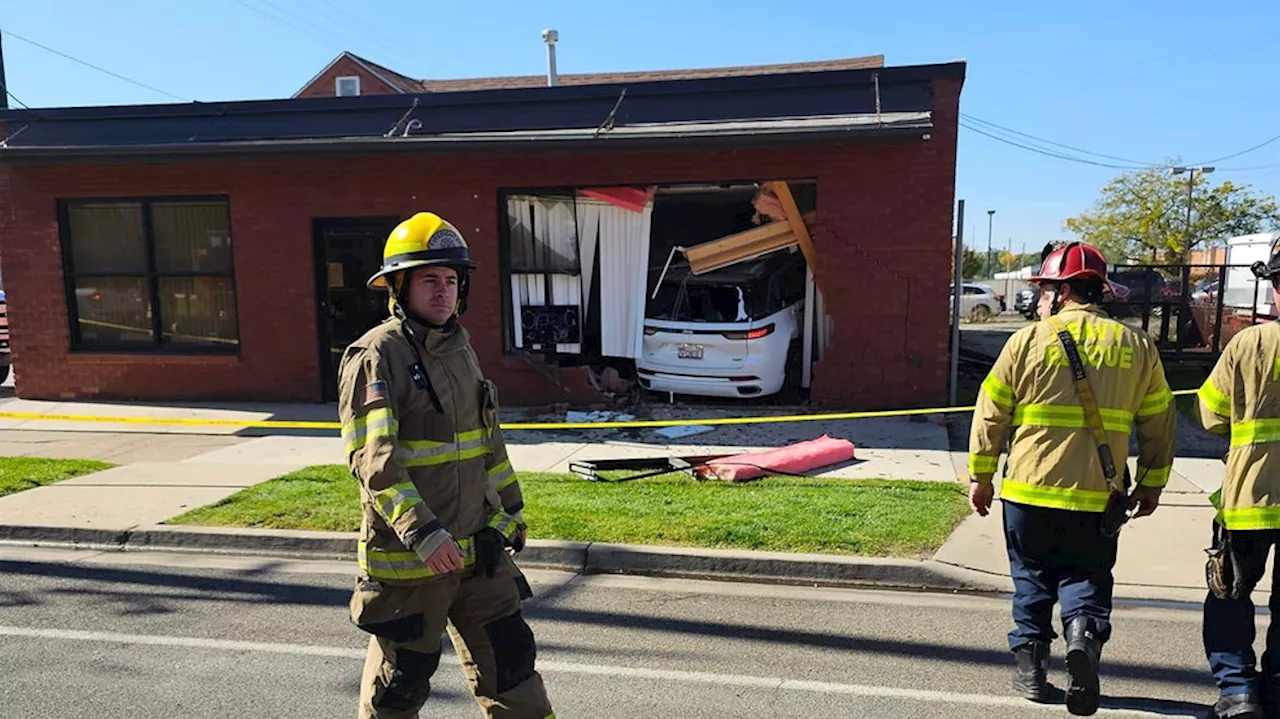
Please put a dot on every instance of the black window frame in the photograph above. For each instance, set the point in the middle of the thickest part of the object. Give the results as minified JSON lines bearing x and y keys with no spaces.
{"x":153,"y":276}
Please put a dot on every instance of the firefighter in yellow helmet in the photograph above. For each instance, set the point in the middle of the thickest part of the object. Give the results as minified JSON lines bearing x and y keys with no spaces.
{"x":1071,"y":387}
{"x":441,"y":504}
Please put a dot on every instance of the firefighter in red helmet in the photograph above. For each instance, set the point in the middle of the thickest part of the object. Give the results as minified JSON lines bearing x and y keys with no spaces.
{"x":1067,"y":391}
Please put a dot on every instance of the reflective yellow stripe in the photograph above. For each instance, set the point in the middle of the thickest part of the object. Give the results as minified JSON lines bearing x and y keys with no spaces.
{"x":397,"y":499}
{"x":1154,"y":477}
{"x":982,"y":464}
{"x":1252,"y":518}
{"x":998,"y":391}
{"x":1084,"y":500}
{"x":502,"y":476}
{"x":1053,"y":415}
{"x":1155,"y":403}
{"x":1258,"y":431}
{"x":425,"y":453}
{"x":508,"y":524}
{"x":383,"y":564}
{"x":378,"y":423}
{"x":1216,"y":400}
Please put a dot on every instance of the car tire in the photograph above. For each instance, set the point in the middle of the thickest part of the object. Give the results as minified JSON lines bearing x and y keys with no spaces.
{"x":4,"y":373}
{"x":980,"y":313}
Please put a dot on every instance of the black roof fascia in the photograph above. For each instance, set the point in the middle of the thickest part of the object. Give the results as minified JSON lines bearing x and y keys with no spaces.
{"x":805,"y":94}
{"x":374,"y":146}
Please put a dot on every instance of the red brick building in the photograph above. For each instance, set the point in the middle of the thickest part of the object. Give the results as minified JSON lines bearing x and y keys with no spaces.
{"x":219,"y":251}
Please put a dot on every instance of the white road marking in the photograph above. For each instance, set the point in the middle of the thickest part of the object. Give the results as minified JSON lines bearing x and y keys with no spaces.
{"x":553,"y":667}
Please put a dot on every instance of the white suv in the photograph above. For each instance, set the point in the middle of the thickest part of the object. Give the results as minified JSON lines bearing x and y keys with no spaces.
{"x":978,"y":303}
{"x":733,"y":332}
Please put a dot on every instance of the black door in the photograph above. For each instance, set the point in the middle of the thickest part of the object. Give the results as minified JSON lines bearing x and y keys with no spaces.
{"x":347,"y":252}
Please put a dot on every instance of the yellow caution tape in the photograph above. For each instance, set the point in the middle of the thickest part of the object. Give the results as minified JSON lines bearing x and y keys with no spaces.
{"x":633,"y":424}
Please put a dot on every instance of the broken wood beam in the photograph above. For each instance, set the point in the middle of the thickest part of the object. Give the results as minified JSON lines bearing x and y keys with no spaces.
{"x":739,"y":247}
{"x":794,"y":219}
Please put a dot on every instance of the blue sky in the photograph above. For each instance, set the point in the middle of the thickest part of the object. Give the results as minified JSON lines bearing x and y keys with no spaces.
{"x":1150,"y":81}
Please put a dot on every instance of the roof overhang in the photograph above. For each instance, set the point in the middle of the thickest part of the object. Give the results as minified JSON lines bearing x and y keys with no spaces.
{"x":836,"y":129}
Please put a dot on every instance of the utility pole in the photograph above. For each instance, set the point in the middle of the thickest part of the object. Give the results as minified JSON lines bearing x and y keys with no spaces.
{"x":956,"y":289}
{"x":1191,"y":187}
{"x":990,"y":219}
{"x":4,"y":81}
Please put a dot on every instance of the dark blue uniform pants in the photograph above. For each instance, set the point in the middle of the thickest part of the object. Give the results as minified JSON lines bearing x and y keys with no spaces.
{"x":1229,"y":624}
{"x":1057,"y":555}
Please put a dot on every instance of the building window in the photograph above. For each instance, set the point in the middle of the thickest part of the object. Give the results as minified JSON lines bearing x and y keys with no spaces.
{"x":150,"y":275}
{"x":347,"y":86}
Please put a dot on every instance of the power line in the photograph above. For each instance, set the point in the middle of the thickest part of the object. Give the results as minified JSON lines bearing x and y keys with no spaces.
{"x":1050,"y":153}
{"x":373,"y":34}
{"x":1259,"y":146}
{"x":13,"y":97}
{"x":118,"y":76}
{"x":990,"y":124}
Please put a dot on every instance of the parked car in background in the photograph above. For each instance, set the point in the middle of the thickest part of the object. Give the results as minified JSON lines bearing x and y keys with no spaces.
{"x":733,"y":332}
{"x":978,"y":302}
{"x":5,"y":365}
{"x":1205,"y":291}
{"x":1114,"y":301}
{"x":1144,"y":285}
{"x":1024,"y":303}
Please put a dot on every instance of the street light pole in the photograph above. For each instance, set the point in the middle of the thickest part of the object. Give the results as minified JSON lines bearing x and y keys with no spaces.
{"x":1191,"y":186}
{"x":990,"y":215}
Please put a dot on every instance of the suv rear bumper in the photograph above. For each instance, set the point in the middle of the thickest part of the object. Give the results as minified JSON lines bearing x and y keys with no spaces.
{"x":739,"y":385}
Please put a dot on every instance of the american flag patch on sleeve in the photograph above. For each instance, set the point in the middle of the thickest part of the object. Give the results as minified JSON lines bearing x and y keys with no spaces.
{"x":375,"y":392}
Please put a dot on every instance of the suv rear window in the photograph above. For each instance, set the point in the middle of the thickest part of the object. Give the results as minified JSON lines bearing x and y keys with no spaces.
{"x":702,"y":303}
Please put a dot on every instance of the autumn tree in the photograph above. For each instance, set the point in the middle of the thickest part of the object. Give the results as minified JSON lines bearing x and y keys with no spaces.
{"x":1144,"y":212}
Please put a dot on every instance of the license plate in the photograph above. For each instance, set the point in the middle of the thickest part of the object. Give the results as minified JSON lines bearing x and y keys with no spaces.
{"x":689,"y":352}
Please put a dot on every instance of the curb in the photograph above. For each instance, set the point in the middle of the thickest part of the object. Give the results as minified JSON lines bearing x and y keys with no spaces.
{"x":580,"y":557}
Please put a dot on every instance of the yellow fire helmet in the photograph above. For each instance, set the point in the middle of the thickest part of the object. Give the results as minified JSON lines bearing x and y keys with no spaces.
{"x":424,"y":239}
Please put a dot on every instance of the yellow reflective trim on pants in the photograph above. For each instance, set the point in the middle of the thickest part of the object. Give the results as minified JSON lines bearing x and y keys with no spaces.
{"x":1053,"y":415}
{"x":998,"y":391}
{"x":1150,"y":477}
{"x":501,"y":476}
{"x":1258,"y":431}
{"x":1082,"y":500}
{"x":1155,"y":403}
{"x":1245,"y":518}
{"x":982,"y":464}
{"x":397,"y":499}
{"x":1215,"y":399}
{"x":384,"y":564}
{"x":378,"y":423}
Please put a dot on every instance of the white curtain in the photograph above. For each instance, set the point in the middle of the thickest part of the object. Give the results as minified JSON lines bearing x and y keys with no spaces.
{"x":624,"y":270}
{"x":588,"y":240}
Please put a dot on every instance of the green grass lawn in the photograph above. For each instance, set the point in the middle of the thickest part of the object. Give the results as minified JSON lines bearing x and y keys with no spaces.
{"x":865,"y":517}
{"x":19,"y":473}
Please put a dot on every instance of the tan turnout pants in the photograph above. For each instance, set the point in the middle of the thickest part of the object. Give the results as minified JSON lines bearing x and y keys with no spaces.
{"x":492,"y":640}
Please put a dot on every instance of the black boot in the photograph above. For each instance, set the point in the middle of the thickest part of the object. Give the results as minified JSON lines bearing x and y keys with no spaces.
{"x":1031,"y":680}
{"x":1238,"y":706}
{"x":1084,"y":650}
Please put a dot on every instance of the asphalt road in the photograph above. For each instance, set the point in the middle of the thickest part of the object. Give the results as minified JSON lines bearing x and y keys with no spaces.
{"x":89,"y":634}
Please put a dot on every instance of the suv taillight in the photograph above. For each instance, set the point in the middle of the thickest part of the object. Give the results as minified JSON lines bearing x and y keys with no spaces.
{"x":750,"y":334}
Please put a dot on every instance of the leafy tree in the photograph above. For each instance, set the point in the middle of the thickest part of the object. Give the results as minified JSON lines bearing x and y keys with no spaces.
{"x":1143,"y":214}
{"x":973,"y":264}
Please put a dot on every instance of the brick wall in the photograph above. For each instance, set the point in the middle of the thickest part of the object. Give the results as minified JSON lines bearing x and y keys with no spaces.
{"x":883,"y":233}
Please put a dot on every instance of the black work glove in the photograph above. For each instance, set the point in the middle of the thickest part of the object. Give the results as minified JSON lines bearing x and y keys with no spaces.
{"x":490,"y":544}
